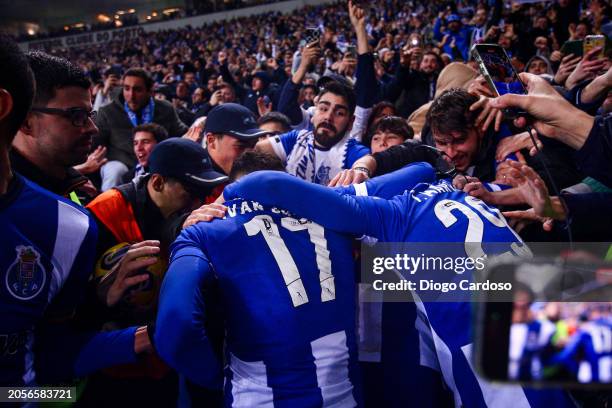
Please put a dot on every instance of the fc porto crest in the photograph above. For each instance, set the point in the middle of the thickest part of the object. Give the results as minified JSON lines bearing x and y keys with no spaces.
{"x":26,"y":277}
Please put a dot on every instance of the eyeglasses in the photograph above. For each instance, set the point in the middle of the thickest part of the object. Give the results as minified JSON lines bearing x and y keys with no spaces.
{"x":78,"y":116}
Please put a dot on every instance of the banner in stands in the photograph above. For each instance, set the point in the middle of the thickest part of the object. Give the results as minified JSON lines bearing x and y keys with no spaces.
{"x":91,"y":38}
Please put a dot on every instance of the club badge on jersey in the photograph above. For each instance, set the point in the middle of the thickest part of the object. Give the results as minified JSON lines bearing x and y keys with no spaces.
{"x":26,"y":276}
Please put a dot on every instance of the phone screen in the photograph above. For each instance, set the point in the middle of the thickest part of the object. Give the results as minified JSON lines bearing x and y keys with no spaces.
{"x":497,"y":68}
{"x":560,"y":341}
{"x":557,"y":329}
{"x":351,"y":50}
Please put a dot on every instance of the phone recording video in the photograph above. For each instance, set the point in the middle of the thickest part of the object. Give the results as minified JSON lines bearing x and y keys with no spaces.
{"x":557,"y":331}
{"x":560,"y":341}
{"x":497,"y":69}
{"x":351,"y":51}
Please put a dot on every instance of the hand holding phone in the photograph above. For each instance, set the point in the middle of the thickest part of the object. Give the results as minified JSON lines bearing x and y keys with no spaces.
{"x":311,"y":35}
{"x":496,"y":67}
{"x":351,"y":51}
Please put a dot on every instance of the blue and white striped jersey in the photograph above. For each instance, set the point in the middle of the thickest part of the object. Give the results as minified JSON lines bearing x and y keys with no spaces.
{"x":304,"y":159}
{"x":47,"y":250}
{"x":288,"y":295}
{"x":46,"y":255}
{"x":428,"y":213}
{"x":288,"y":301}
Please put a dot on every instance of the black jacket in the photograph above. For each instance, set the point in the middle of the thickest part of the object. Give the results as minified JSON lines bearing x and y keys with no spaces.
{"x":409,"y":90}
{"x":116,"y":128}
{"x":74,"y":181}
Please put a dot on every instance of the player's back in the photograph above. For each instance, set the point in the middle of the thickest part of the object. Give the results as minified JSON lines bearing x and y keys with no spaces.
{"x":441,"y":213}
{"x":287,"y":290}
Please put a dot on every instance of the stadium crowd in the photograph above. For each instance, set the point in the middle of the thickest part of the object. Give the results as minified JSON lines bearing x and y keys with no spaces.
{"x":142,"y":137}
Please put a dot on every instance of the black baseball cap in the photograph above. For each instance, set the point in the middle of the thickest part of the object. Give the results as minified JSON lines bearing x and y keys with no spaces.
{"x":235,"y":120}
{"x":186,"y":161}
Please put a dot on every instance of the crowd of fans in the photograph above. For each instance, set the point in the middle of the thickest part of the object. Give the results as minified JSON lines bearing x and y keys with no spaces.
{"x":175,"y":115}
{"x":413,"y":52}
{"x":197,"y":7}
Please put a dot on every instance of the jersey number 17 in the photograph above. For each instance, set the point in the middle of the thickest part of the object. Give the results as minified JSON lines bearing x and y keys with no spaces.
{"x":265,"y":225}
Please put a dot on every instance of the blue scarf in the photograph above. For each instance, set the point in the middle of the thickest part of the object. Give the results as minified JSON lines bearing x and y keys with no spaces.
{"x":147,"y":113}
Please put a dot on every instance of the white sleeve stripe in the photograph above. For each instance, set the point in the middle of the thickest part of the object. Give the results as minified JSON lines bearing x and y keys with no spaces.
{"x":72,"y":227}
{"x":361,"y":190}
{"x":278,"y":148}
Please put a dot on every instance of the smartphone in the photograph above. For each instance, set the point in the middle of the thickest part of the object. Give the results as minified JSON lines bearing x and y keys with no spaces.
{"x":572,"y":47}
{"x":557,"y":329}
{"x":351,"y":51}
{"x":594,"y":41}
{"x":312,"y":34}
{"x":495,"y":66}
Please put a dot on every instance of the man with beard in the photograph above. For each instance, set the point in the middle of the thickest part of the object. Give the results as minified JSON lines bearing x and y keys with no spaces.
{"x":318,"y":155}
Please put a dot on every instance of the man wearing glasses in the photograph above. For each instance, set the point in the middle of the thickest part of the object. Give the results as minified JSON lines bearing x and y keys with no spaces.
{"x":57,"y":133}
{"x":47,"y":243}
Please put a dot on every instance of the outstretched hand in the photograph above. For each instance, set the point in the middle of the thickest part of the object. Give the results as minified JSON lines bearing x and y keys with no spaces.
{"x":552,"y":115}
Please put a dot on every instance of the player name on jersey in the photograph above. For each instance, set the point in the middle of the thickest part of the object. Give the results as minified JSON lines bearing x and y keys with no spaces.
{"x":244,"y":207}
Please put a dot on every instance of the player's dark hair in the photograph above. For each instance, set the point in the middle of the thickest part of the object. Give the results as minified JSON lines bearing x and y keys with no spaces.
{"x":140,"y":73}
{"x":450,"y":112}
{"x":158,"y":131}
{"x":275,"y":117}
{"x":341,"y":90}
{"x":17,"y":79}
{"x":251,"y":161}
{"x":54,"y":73}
